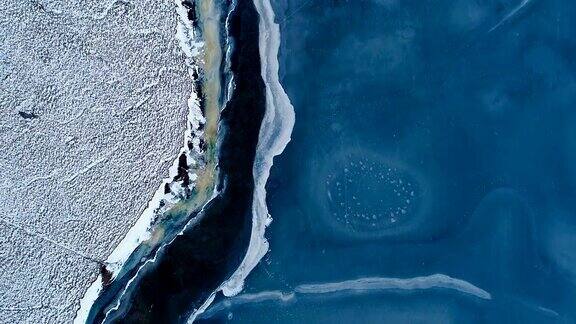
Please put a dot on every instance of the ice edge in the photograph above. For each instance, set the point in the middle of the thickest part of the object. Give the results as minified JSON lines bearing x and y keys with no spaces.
{"x":275,"y":132}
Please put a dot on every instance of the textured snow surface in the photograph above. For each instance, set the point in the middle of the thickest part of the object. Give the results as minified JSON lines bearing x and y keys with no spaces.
{"x":93,"y":110}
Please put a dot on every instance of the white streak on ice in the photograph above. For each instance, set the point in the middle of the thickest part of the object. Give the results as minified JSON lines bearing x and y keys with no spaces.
{"x":274,"y":136}
{"x":202,"y":308}
{"x":376,"y":283}
{"x":511,"y":14}
{"x":362,"y":285}
{"x":254,"y":298}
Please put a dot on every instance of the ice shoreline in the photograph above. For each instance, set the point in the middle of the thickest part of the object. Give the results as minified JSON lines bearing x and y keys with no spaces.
{"x":142,"y":230}
{"x":275,"y":133}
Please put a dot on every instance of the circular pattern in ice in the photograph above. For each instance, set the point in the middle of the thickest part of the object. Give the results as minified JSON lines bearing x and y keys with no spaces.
{"x":367,"y":196}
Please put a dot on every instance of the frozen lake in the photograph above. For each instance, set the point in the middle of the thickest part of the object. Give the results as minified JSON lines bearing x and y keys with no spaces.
{"x":432,"y":169}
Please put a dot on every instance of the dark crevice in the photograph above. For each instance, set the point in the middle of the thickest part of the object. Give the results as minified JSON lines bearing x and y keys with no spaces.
{"x":194,"y":263}
{"x":27,"y":115}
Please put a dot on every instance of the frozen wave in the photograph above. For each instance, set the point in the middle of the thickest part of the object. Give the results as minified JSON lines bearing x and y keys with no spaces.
{"x":274,"y":135}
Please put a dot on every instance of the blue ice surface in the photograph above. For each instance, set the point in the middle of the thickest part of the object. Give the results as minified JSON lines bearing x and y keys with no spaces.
{"x":431,"y":137}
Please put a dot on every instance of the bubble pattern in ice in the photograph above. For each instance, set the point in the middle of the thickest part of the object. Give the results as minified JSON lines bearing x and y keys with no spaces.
{"x":367,"y":195}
